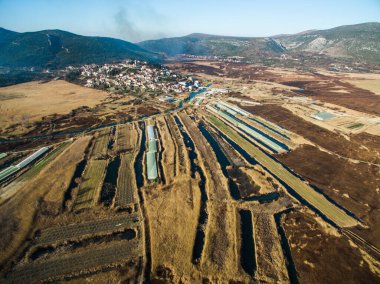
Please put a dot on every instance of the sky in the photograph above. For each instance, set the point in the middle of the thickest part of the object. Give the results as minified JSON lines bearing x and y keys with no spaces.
{"x":137,"y":20}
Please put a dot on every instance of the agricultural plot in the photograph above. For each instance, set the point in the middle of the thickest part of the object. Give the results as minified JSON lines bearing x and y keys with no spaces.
{"x":46,"y":160}
{"x":122,"y":136}
{"x":8,"y":172}
{"x":181,"y":150}
{"x":101,"y":143}
{"x":169,"y":155}
{"x":127,"y":137}
{"x":262,"y":140}
{"x":270,"y":261}
{"x":74,"y":264}
{"x":91,"y":183}
{"x":270,"y":132}
{"x":317,"y":200}
{"x":87,"y":229}
{"x":126,"y":182}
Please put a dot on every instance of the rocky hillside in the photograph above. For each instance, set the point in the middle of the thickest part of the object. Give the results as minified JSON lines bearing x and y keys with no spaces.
{"x":202,"y":44}
{"x":360,"y":42}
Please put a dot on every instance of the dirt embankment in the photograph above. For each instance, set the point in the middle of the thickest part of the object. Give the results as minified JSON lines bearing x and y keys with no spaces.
{"x":323,"y":256}
{"x":334,"y":142}
{"x":354,"y":186}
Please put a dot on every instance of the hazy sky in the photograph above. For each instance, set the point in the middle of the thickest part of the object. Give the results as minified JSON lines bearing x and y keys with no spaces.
{"x":137,"y":20}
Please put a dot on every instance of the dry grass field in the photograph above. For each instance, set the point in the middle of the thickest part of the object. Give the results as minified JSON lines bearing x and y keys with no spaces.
{"x":270,"y":258}
{"x":370,"y":85}
{"x":16,"y":221}
{"x":30,"y":102}
{"x":173,"y":215}
{"x":322,"y":255}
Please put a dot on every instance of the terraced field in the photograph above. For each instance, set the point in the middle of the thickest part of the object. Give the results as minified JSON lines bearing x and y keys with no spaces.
{"x":317,"y":200}
{"x":91,"y":183}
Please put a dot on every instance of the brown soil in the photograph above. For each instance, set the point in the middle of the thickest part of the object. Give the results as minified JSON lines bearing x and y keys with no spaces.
{"x":354,"y":186}
{"x":147,"y":110}
{"x":324,"y":88}
{"x":270,"y":258}
{"x":323,"y":256}
{"x":331,"y":141}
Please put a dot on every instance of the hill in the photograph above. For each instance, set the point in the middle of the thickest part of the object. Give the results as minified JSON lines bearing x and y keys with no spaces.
{"x":203,"y":44}
{"x":360,"y":42}
{"x":56,"y":48}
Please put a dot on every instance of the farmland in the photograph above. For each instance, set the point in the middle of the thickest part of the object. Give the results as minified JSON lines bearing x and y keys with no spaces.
{"x":249,"y":188}
{"x":92,"y":181}
{"x":75,"y":263}
{"x":315,"y":199}
{"x":89,"y":229}
{"x":126,"y":187}
{"x":101,"y":144}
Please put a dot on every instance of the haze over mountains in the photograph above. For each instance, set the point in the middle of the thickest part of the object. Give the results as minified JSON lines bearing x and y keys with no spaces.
{"x":55,"y":48}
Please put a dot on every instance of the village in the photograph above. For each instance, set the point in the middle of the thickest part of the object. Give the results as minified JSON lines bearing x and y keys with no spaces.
{"x":133,"y":76}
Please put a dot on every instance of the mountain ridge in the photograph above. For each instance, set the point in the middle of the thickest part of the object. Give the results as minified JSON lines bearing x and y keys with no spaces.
{"x":359,"y":42}
{"x":57,"y":48}
{"x":54,"y":48}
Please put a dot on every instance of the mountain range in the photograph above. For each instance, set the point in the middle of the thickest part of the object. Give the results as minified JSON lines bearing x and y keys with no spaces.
{"x":56,"y":48}
{"x":359,"y":42}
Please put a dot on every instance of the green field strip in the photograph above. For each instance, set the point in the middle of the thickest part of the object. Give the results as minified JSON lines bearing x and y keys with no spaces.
{"x":101,"y":143}
{"x":126,"y":182}
{"x":8,"y":172}
{"x":317,"y":200}
{"x":91,"y":181}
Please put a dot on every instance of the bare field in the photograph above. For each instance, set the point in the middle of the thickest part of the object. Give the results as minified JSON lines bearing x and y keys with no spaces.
{"x":173,"y":215}
{"x":370,"y":85}
{"x":126,"y":182}
{"x":30,"y":102}
{"x":270,"y":258}
{"x":315,"y":245}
